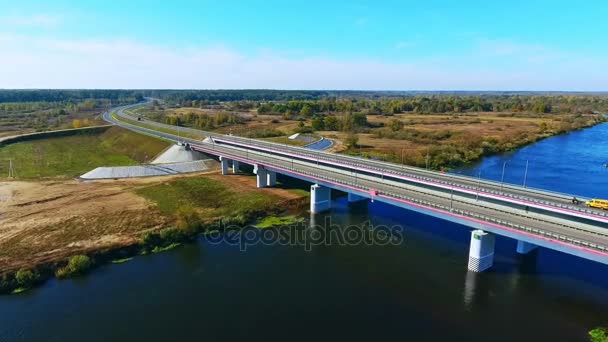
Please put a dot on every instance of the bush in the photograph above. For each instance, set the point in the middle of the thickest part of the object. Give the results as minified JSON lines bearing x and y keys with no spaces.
{"x":352,"y":140}
{"x":188,"y":221}
{"x":151,"y":239}
{"x":78,"y":264}
{"x":26,"y":278}
{"x":598,"y":335}
{"x":171,"y":235}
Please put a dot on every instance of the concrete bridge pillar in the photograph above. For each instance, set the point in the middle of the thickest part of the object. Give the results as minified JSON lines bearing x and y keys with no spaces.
{"x":320,"y":198}
{"x":224,"y":164}
{"x":235,"y":166}
{"x":525,"y":247}
{"x":355,"y":198}
{"x":481,"y":251}
{"x":262,"y":175}
{"x":271,"y":178}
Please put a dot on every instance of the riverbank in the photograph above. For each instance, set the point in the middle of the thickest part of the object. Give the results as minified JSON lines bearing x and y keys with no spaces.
{"x":449,"y":141}
{"x":437,"y":141}
{"x":45,"y":224}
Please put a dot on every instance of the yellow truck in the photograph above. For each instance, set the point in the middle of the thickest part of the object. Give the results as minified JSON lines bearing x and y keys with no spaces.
{"x":598,"y":203}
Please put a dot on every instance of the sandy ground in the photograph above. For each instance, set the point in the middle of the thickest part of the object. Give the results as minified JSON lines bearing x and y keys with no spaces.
{"x":47,"y":221}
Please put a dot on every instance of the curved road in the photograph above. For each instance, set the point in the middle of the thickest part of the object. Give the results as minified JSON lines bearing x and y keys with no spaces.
{"x":525,"y":197}
{"x":582,"y":236}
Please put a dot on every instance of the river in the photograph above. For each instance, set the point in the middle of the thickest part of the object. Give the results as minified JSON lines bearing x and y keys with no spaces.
{"x":417,"y":290}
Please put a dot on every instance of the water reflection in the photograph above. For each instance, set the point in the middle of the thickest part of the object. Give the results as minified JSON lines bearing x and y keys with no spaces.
{"x":470,"y":282}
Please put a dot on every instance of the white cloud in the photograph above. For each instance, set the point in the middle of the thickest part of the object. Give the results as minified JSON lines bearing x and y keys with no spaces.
{"x":33,"y":20}
{"x":36,"y":62}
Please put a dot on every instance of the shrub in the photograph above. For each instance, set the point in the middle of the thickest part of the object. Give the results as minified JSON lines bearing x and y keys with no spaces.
{"x":598,"y":335}
{"x":352,"y":140}
{"x":171,"y":235}
{"x":26,"y":278}
{"x":188,"y":221}
{"x":151,"y":239}
{"x":77,"y":264}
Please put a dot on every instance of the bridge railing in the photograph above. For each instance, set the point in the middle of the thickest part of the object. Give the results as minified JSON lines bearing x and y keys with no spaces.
{"x":381,"y":167}
{"x":466,"y":213}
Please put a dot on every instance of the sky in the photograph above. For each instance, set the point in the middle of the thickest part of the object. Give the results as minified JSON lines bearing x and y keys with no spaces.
{"x":292,"y":44}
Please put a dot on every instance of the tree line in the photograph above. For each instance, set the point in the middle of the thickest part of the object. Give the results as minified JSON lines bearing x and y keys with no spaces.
{"x":308,"y":102}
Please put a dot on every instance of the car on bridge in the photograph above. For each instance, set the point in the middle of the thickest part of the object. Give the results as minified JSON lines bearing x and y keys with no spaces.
{"x":598,"y":203}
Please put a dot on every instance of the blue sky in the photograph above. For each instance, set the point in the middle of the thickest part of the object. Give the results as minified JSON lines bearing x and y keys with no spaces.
{"x":399,"y":45}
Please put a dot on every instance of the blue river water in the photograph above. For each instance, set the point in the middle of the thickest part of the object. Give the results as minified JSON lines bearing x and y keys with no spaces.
{"x":572,"y":163}
{"x":416,"y":290}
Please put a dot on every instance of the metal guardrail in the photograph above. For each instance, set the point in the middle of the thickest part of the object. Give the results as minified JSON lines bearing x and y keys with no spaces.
{"x":463,"y":212}
{"x":356,"y":163}
{"x":481,"y":191}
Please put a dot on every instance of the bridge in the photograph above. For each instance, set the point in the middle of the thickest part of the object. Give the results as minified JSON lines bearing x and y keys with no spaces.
{"x":533,"y":217}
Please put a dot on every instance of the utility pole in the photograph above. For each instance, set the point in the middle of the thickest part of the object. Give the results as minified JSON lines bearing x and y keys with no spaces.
{"x":451,"y":198}
{"x":526,"y":173}
{"x":427,"y":159}
{"x":502,"y":178}
{"x":11,"y":169}
{"x":478,"y":185}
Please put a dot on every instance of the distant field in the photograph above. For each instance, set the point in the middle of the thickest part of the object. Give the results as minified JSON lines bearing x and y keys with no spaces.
{"x":72,"y":156}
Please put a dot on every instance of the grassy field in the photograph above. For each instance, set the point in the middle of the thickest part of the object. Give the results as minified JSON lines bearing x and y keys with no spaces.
{"x":72,"y":156}
{"x":211,"y":198}
{"x":437,"y":140}
{"x":156,"y":128}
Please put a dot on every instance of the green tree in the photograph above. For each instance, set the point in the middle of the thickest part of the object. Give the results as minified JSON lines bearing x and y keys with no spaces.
{"x":26,"y":278}
{"x":331,"y":123}
{"x":396,"y":125}
{"x":359,"y":120}
{"x":306,"y":111}
{"x":318,"y":124}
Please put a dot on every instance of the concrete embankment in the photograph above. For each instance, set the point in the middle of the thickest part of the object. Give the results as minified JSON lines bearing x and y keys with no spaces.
{"x":174,"y":160}
{"x":149,"y":170}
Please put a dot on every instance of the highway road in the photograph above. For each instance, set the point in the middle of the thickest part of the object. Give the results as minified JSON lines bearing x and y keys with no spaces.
{"x":392,"y":189}
{"x":495,"y":191}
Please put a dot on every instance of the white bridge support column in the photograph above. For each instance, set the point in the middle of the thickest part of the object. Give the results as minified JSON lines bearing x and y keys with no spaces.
{"x":481,"y":251}
{"x":525,"y":247}
{"x":320,"y":198}
{"x":224,"y":163}
{"x":271,"y":178}
{"x":235,"y":166}
{"x":355,"y":198}
{"x":262,"y":175}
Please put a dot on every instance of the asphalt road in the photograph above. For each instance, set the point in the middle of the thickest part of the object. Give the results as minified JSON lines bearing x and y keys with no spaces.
{"x":576,"y":233}
{"x":514,"y":194}
{"x":572,"y":232}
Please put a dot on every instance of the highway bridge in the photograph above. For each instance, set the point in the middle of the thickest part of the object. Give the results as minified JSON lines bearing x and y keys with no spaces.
{"x":533,"y":217}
